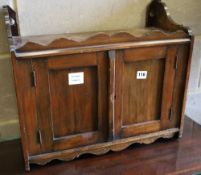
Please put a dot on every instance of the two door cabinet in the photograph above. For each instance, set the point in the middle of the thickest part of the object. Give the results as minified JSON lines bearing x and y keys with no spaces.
{"x":100,"y":92}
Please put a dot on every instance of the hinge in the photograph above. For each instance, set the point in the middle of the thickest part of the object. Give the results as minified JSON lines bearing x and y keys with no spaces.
{"x":112,"y":54}
{"x":33,"y":78}
{"x":176,"y":62}
{"x":39,"y":137}
{"x":170,"y":113}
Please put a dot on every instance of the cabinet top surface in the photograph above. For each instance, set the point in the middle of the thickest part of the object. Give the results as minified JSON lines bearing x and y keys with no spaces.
{"x":46,"y":42}
{"x":159,"y":27}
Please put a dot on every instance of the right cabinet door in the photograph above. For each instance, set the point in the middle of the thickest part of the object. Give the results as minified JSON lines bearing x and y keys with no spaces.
{"x":150,"y":84}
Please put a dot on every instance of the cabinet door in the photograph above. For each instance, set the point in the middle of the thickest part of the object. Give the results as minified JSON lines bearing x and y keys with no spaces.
{"x":71,"y":94}
{"x":144,"y":89}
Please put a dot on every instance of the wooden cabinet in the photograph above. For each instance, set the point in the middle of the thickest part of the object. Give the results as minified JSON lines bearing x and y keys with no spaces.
{"x":104,"y":92}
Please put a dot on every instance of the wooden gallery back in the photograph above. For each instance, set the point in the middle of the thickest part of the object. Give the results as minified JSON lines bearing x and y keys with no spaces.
{"x":96,"y":92}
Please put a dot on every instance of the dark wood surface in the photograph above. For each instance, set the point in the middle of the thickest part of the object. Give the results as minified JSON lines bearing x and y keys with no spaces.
{"x":175,"y":156}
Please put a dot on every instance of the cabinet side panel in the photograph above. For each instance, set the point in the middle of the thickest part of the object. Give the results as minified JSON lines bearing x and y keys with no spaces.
{"x":168,"y":87}
{"x":180,"y":80}
{"x":26,"y":105}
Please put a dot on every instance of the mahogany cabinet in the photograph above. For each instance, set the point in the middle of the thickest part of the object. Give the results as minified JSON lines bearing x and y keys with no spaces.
{"x":96,"y":92}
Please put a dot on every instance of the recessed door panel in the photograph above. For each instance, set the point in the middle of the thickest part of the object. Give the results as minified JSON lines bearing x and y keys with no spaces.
{"x":74,"y":108}
{"x":140,"y":94}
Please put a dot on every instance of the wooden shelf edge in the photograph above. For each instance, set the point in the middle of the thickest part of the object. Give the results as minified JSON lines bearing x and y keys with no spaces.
{"x":97,"y":48}
{"x":49,"y":42}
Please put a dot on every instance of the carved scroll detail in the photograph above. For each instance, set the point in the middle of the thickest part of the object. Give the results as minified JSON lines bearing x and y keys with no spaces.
{"x":11,"y":21}
{"x":158,"y":16}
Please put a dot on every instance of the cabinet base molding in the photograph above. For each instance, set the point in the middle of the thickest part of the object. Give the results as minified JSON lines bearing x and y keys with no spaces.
{"x":102,"y":148}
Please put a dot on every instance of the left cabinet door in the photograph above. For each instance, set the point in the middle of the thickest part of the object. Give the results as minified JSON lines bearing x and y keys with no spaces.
{"x":71,"y":100}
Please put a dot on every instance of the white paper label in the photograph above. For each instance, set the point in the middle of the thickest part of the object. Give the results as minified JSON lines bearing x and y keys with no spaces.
{"x":142,"y":75}
{"x":76,"y":78}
